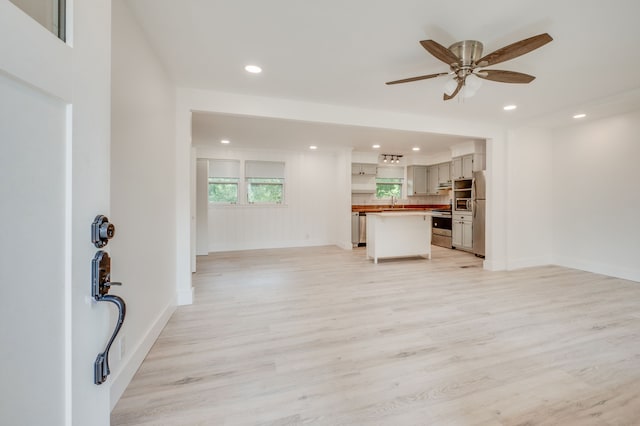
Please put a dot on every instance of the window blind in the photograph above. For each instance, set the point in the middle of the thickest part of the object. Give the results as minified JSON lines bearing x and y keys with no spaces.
{"x":224,"y":169}
{"x":390,"y":172}
{"x":264,"y":169}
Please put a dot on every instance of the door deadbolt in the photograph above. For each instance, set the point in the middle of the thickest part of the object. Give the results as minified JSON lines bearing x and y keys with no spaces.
{"x":101,"y":231}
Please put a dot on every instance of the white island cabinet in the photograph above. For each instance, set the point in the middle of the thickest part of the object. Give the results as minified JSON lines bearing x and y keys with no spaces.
{"x":398,"y":234}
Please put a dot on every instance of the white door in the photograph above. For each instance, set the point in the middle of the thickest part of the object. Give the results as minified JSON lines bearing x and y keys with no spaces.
{"x":32,"y":260}
{"x":54,"y":178}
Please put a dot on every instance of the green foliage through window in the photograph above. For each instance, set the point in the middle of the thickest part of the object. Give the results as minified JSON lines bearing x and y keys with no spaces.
{"x":265,"y":190}
{"x":223,"y":190}
{"x":388,"y":187}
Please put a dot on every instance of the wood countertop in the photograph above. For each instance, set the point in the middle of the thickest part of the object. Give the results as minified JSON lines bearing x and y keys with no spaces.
{"x":401,"y":213}
{"x":398,"y":208}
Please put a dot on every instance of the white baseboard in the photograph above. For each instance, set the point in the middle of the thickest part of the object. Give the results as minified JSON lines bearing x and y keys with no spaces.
{"x":254,"y":245}
{"x":131,"y":364}
{"x":185,"y":297}
{"x":345,"y":245}
{"x":528,"y":262}
{"x":598,"y":268}
{"x":492,"y":265}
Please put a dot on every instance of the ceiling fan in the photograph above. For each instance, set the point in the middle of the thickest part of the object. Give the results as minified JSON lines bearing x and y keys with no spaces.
{"x":465,"y":60}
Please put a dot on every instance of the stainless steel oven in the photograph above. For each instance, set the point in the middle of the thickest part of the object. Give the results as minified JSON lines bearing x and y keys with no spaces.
{"x":441,"y":229}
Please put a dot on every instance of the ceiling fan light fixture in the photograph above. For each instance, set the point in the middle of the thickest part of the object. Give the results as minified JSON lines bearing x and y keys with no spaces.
{"x":450,"y":86}
{"x":466,"y":62}
{"x":471,"y":85}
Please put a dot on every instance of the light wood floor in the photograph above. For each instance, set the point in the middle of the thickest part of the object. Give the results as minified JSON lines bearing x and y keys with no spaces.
{"x":322,"y":336}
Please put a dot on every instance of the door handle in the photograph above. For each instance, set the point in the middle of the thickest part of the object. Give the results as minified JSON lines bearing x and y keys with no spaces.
{"x":100,"y":285}
{"x":101,"y":232}
{"x":101,"y":364}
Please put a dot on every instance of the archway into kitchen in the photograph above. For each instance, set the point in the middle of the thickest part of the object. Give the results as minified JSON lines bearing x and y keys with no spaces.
{"x":201,"y":113}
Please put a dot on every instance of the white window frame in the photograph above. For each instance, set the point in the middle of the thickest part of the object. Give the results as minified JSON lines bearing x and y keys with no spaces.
{"x":270,"y":173}
{"x":393,"y":175}
{"x":223,"y":171}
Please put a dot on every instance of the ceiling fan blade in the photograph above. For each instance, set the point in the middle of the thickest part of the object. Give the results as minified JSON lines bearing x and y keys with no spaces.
{"x":422,"y":77}
{"x":440,"y":52}
{"x":505,"y":76}
{"x":516,"y":49}
{"x":455,"y":92}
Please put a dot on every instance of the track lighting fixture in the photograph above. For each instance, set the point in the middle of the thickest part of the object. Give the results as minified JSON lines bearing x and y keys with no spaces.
{"x":391,"y":158}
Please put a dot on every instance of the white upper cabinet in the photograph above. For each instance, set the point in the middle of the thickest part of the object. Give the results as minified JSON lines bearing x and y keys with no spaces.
{"x":363,"y":178}
{"x":364,"y":169}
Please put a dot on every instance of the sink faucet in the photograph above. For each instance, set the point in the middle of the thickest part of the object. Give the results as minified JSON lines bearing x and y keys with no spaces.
{"x":393,"y":201}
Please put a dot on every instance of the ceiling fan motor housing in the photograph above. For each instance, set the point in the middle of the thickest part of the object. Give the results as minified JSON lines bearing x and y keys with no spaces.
{"x":469,"y":51}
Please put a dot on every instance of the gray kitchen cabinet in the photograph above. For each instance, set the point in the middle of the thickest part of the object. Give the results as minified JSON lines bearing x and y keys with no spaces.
{"x":462,"y":167}
{"x":417,"y":180}
{"x":444,"y":173}
{"x":462,"y":232}
{"x":433,"y":179}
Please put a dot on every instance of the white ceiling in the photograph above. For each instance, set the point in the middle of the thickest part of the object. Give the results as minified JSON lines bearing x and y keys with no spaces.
{"x":251,"y":132}
{"x":340,"y":52}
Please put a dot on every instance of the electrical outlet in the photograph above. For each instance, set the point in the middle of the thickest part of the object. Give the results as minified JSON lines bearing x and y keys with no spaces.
{"x":121,"y":347}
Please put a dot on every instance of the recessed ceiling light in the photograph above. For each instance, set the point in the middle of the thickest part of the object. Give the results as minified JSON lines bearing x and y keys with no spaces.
{"x":509,"y":107}
{"x":313,"y":147}
{"x":580,"y":116}
{"x":376,"y":146}
{"x":415,"y":148}
{"x":253,"y":69}
{"x":224,"y":141}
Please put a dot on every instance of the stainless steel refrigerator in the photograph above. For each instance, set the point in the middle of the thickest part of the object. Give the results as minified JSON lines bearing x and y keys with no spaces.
{"x":479,"y":211}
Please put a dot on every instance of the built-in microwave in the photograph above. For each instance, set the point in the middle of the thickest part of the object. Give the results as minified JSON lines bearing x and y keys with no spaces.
{"x":463,"y":204}
{"x":462,"y":195}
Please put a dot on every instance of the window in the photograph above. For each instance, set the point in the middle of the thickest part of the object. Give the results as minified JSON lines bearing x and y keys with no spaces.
{"x":265,"y":190}
{"x":50,"y":14}
{"x":223,"y":190}
{"x":265,"y":182}
{"x":388,"y":187}
{"x":389,"y":182}
{"x":224,"y":176}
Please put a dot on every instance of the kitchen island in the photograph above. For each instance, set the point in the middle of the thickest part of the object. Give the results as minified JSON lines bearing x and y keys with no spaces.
{"x":398,"y":234}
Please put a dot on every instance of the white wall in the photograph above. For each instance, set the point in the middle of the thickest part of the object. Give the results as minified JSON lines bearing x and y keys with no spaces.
{"x":307,"y":218}
{"x":529,"y":198}
{"x":202,"y":207}
{"x":142,"y":193}
{"x":595,"y":196}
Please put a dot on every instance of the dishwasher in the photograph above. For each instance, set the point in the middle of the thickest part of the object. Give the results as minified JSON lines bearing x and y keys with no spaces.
{"x":358,"y":229}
